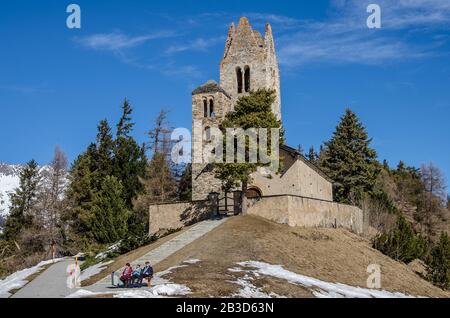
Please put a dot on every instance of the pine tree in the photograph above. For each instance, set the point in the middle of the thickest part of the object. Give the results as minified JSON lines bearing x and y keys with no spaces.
{"x":439,"y":262}
{"x":80,"y":195}
{"x":22,"y":201}
{"x":252,"y":111}
{"x":401,"y":243}
{"x":185,"y":184}
{"x":108,"y":216}
{"x":129,"y":158}
{"x":312,"y":155}
{"x":348,"y":159}
{"x":103,"y":156}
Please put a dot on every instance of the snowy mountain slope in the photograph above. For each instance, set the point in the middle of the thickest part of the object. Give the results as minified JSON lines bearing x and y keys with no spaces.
{"x":9,"y":180}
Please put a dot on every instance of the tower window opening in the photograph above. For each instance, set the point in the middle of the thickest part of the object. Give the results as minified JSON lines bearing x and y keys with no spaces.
{"x":207,"y":134}
{"x":239,"y":79}
{"x":247,"y":79}
{"x":205,"y":108}
{"x":211,"y":109}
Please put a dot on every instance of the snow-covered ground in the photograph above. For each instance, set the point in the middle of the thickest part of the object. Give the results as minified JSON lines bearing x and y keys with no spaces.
{"x":158,"y":291}
{"x":110,"y":249}
{"x":319,"y":288}
{"x":18,"y":279}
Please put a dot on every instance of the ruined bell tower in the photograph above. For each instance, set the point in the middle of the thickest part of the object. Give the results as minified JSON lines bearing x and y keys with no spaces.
{"x":250,"y":63}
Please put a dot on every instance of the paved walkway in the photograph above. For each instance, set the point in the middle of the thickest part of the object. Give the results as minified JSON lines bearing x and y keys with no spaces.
{"x":165,"y":250}
{"x":52,"y":283}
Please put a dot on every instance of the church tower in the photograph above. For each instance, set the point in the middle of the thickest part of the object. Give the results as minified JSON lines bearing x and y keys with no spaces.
{"x":250,"y":63}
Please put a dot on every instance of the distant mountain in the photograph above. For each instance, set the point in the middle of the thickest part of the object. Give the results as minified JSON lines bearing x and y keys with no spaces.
{"x":9,"y":180}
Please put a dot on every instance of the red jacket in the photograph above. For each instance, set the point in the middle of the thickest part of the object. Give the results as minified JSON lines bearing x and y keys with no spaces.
{"x":127,"y":272}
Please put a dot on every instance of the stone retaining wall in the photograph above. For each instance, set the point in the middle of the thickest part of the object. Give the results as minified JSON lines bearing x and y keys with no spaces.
{"x":171,"y":216}
{"x":307,"y":212}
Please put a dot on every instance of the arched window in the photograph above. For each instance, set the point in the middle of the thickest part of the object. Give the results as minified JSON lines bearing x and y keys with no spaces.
{"x":247,"y":79}
{"x":207,"y":134}
{"x":205,"y":108}
{"x":211,"y":109}
{"x":239,"y":79}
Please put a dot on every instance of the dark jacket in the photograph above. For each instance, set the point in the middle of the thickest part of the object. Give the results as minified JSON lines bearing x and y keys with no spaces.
{"x":147,"y":271}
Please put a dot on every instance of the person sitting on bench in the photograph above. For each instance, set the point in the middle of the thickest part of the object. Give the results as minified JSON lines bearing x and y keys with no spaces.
{"x":127,"y":275}
{"x":136,"y":276}
{"x":147,"y":272}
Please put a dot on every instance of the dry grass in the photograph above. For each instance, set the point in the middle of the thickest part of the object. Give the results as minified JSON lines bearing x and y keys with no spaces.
{"x":327,"y":254}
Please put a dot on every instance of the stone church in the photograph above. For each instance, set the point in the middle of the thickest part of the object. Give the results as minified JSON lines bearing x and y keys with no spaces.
{"x":301,"y":195}
{"x":250,"y":63}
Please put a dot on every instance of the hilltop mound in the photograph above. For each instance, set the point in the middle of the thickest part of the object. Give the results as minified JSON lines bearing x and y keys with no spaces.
{"x":334,"y":256}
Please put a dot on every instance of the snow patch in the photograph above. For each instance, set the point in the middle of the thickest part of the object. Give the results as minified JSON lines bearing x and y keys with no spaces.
{"x":319,"y":288}
{"x":8,"y":183}
{"x":248,"y":290}
{"x":159,"y":291}
{"x":110,"y":249}
{"x":192,"y":261}
{"x":18,"y":279}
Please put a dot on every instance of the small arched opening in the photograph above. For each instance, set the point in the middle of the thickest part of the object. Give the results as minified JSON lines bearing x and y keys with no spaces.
{"x":207,"y":134}
{"x":211,"y":108}
{"x":239,"y":79}
{"x":247,"y":79}
{"x":253,"y":193}
{"x":205,"y":108}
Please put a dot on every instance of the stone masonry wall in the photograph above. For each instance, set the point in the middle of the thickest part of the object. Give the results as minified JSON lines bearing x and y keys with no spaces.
{"x":309,"y":213}
{"x":246,"y":47}
{"x":174,"y":216}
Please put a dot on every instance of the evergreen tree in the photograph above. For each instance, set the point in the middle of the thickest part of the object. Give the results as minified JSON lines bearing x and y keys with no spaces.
{"x":22,"y":201}
{"x":108,"y":216}
{"x":129,"y":158}
{"x":348,"y":159}
{"x":401,"y":243}
{"x":102,"y":163}
{"x":185,"y":184}
{"x":80,"y":194}
{"x":252,"y":111}
{"x":312,"y":155}
{"x":439,"y":262}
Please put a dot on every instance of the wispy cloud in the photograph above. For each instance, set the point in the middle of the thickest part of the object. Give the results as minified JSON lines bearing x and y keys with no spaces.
{"x":199,"y":44}
{"x":345,"y":38}
{"x":117,"y":41}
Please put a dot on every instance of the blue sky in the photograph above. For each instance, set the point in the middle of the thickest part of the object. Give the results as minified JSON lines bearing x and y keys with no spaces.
{"x":57,"y":83}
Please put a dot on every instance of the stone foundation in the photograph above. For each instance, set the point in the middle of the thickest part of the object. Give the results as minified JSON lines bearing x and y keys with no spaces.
{"x":172,"y":216}
{"x":307,"y":212}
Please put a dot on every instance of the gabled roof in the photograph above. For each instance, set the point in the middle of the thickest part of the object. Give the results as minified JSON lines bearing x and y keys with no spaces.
{"x":295,"y":153}
{"x":210,"y":87}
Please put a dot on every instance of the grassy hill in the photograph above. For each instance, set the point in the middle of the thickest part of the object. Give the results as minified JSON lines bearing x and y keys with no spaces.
{"x":336,"y":256}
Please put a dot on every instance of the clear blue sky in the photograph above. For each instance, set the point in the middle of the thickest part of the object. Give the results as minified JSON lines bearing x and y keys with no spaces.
{"x":57,"y":83}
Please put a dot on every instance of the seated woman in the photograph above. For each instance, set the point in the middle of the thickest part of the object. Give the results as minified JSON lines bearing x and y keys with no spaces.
{"x":137,"y":273}
{"x":127,"y":275}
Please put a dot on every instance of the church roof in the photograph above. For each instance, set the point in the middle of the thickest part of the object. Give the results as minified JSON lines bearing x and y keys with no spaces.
{"x":295,"y":153}
{"x":210,"y":87}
